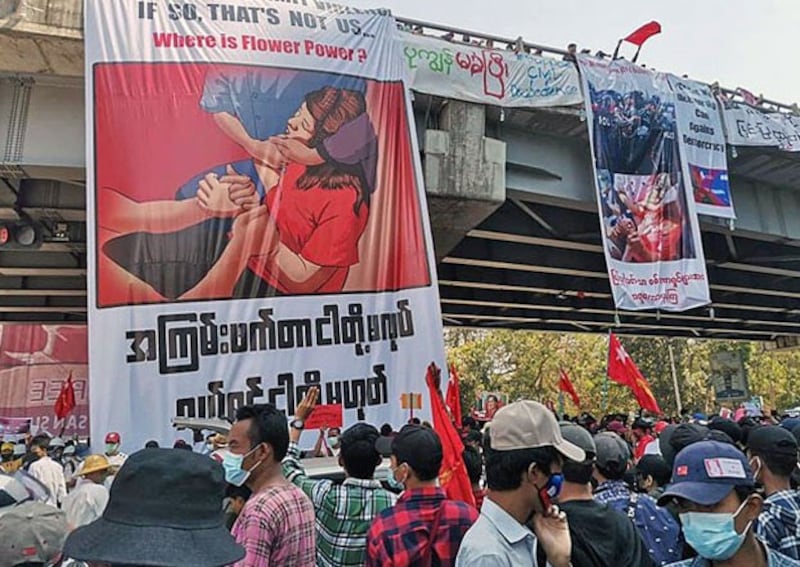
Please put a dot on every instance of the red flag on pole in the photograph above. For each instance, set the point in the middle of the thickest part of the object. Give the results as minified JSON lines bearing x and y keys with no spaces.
{"x":65,"y":402}
{"x":623,"y":370}
{"x":565,"y":385}
{"x":642,"y":34}
{"x":453,"y":476}
{"x":453,"y":396}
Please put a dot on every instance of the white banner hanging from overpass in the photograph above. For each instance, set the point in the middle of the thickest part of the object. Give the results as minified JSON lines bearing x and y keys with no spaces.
{"x":651,"y":235}
{"x":489,"y":76}
{"x":702,"y":146}
{"x":747,"y":126}
{"x":257,"y":219}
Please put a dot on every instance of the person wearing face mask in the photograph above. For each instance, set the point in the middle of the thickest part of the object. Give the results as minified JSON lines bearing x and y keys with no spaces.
{"x":652,"y":475}
{"x":656,"y":526}
{"x":714,"y":492}
{"x":47,"y":471}
{"x":424,"y":528}
{"x":772,"y":452}
{"x":115,"y":457}
{"x":276,"y":526}
{"x":523,"y":455}
{"x":328,"y":443}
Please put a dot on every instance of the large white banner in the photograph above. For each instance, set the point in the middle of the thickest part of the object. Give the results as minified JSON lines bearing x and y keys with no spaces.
{"x":489,"y":76}
{"x":702,"y":146}
{"x":257,"y":218}
{"x":747,"y":126}
{"x":651,"y":235}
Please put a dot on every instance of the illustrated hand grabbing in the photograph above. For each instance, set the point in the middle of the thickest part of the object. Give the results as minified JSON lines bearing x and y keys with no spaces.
{"x":228,"y":195}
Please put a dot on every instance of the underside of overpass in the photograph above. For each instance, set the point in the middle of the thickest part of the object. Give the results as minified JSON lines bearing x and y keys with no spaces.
{"x":526,"y":257}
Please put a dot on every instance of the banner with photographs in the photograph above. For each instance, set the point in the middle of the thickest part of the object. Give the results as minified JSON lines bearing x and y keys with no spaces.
{"x":34,"y":362}
{"x":702,"y":146}
{"x":748,"y":126}
{"x":257,"y":219}
{"x":651,"y":235}
{"x":471,"y":73}
{"x":729,"y":376}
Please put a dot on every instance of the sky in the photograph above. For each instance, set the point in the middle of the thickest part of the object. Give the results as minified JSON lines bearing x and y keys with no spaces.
{"x":736,"y":42}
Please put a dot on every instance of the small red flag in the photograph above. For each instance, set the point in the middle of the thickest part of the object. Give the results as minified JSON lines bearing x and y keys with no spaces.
{"x":642,"y":34}
{"x":65,"y":402}
{"x":453,"y":396}
{"x":453,"y":476}
{"x":623,"y":370}
{"x":565,"y":385}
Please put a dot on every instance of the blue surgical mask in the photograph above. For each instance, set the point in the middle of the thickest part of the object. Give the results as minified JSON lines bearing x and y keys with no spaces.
{"x":234,"y":473}
{"x":333,"y":442}
{"x":713,"y":535}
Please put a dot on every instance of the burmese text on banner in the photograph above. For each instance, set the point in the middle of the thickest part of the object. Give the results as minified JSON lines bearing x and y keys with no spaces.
{"x":651,"y":235}
{"x":257,"y":218}
{"x":489,"y":76}
{"x":702,"y":146}
{"x":748,"y":126}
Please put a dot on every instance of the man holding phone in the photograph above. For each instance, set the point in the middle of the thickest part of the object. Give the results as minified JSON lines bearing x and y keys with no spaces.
{"x":523,"y":453}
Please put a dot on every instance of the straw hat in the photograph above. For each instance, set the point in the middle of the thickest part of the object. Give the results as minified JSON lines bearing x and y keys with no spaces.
{"x":94,"y":463}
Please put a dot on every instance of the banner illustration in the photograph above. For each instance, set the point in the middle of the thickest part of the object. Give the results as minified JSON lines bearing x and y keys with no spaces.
{"x":258,"y":218}
{"x":650,"y":229}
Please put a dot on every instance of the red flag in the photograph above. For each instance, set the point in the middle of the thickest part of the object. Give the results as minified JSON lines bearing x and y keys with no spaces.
{"x":65,"y":402}
{"x":642,"y":34}
{"x":565,"y":385}
{"x":748,"y":97}
{"x":623,"y":370}
{"x":453,"y":396}
{"x":453,"y":475}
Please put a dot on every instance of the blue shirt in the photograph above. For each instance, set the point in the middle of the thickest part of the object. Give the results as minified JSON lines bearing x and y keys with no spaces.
{"x":774,"y":559}
{"x":658,"y":529}
{"x":497,"y":539}
{"x":778,"y":525}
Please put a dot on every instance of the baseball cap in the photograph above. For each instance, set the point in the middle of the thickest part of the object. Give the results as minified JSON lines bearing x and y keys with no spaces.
{"x":772,"y":440}
{"x":616,"y":426}
{"x":417,"y":446}
{"x":32,"y":532}
{"x":728,"y":426}
{"x":642,"y":423}
{"x":612,"y":451}
{"x":528,"y":425}
{"x":652,"y":465}
{"x":112,"y":437}
{"x":579,"y":437}
{"x":705,"y":472}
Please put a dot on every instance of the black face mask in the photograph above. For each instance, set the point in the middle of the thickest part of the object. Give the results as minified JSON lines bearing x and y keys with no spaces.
{"x":6,"y":457}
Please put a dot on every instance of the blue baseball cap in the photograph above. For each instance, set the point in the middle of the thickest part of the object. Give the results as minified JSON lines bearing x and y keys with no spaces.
{"x":705,"y":472}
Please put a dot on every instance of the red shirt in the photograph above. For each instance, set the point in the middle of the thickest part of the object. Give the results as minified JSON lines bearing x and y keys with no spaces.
{"x":641,"y":445}
{"x":318,"y":224}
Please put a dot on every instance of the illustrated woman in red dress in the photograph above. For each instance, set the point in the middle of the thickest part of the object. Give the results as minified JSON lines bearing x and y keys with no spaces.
{"x":304,"y":236}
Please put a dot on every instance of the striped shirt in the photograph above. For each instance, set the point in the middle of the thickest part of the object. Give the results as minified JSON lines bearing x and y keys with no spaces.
{"x":344,"y":512}
{"x":778,"y":525}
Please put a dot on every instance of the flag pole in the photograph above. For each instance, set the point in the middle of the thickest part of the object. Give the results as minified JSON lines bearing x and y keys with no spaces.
{"x":636,"y":55}
{"x":560,"y":404}
{"x":605,"y":380}
{"x":674,"y":377}
{"x":616,"y":51}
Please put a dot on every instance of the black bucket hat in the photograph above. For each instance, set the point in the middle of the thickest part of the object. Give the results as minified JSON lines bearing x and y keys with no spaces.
{"x":165,"y":509}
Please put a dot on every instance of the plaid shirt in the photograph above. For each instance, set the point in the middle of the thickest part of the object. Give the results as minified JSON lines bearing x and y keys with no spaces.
{"x":779,"y":523}
{"x":344,"y":512}
{"x":400,"y":536}
{"x":276,"y":527}
{"x":774,"y":559}
{"x":658,"y":529}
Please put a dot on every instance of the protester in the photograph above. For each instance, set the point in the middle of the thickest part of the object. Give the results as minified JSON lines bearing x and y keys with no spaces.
{"x":276,"y":526}
{"x":55,"y":449}
{"x":152,"y":444}
{"x":713,"y":489}
{"x":86,"y":503}
{"x":424,"y":527}
{"x":47,"y":471}
{"x":328,"y":442}
{"x":165,"y":510}
{"x":641,"y":431}
{"x":523,"y":472}
{"x":72,"y":464}
{"x":344,"y":512}
{"x":7,"y":462}
{"x":772,"y":453}
{"x":601,"y":536}
{"x":657,"y":528}
{"x":31,"y":533}
{"x":115,"y":457}
{"x":474,"y":464}
{"x":235,"y":499}
{"x":652,"y":475}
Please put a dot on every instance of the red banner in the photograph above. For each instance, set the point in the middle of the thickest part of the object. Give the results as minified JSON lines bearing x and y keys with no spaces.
{"x":35,"y":360}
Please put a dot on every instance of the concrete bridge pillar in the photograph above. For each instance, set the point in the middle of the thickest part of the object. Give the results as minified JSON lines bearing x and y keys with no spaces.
{"x":465,"y":175}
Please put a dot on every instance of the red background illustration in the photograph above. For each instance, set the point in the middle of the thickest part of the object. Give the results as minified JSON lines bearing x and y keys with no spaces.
{"x":152,"y":136}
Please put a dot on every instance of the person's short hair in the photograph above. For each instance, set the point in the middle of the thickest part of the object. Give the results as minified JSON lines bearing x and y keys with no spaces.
{"x":152,"y":444}
{"x":360,"y":458}
{"x":504,"y":469}
{"x":387,"y":429}
{"x":337,"y":429}
{"x":41,"y":441}
{"x":780,"y":465}
{"x":577,"y":473}
{"x":474,"y":464}
{"x":473,"y":436}
{"x":743,"y":492}
{"x":267,"y":425}
{"x":233,"y":491}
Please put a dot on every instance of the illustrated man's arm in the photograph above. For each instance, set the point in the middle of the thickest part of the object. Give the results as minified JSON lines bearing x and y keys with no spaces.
{"x":126,"y":215}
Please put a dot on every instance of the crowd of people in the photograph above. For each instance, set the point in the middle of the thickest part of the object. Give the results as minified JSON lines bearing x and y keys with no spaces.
{"x":546,"y":490}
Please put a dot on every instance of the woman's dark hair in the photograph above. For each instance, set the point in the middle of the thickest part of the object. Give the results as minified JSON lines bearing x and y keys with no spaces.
{"x":267,"y":425}
{"x":504,"y":469}
{"x":359,"y":455}
{"x":332,"y":108}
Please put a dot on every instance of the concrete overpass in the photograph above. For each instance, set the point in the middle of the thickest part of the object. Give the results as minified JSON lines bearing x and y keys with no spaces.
{"x":510,"y":194}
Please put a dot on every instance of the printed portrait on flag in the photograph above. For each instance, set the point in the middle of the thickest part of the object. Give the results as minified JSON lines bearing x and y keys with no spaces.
{"x":649,"y":225}
{"x":256,"y":182}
